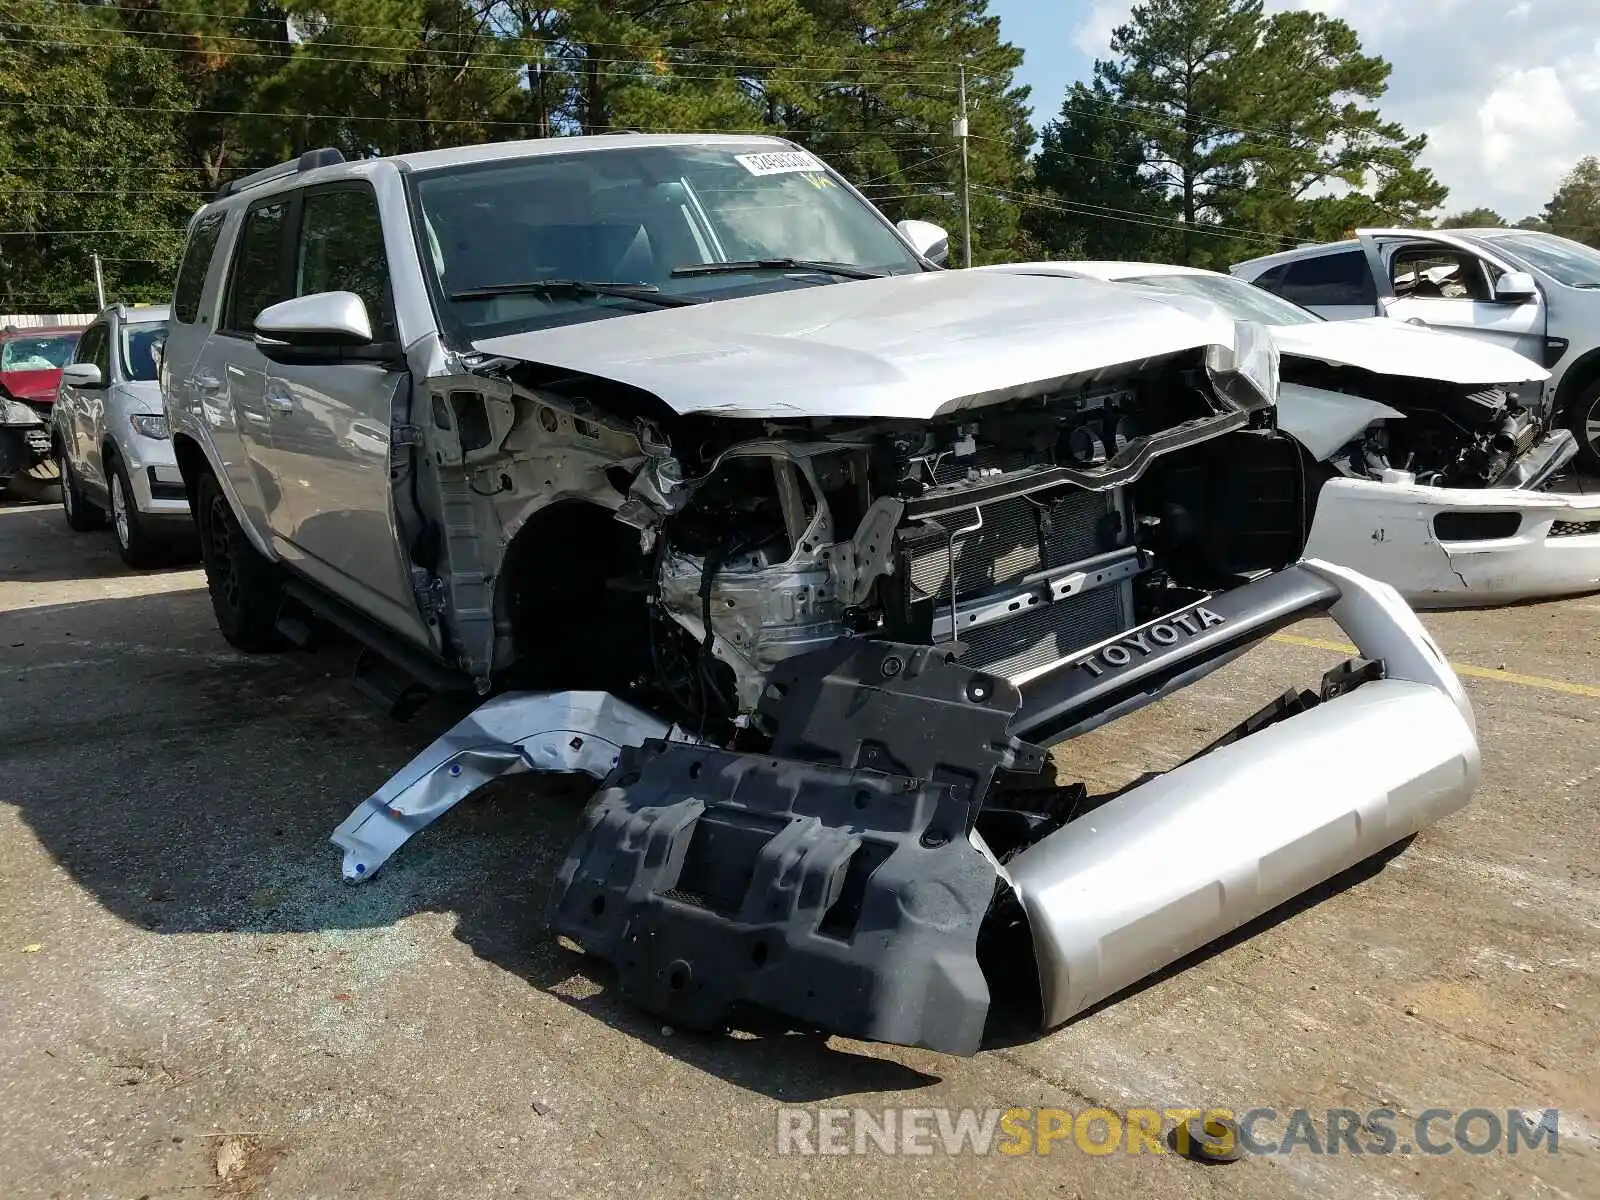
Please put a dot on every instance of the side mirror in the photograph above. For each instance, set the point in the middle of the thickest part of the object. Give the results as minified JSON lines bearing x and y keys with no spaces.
{"x":1516,"y":287}
{"x":327,"y":322}
{"x":927,"y":239}
{"x":83,"y":375}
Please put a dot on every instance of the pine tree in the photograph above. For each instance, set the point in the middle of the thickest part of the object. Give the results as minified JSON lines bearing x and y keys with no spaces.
{"x":1247,"y":122}
{"x":1095,"y":198}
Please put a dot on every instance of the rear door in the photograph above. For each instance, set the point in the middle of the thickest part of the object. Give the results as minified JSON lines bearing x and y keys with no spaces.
{"x":1449,"y":284}
{"x":234,"y":371}
{"x":331,"y":421}
{"x":74,"y":405}
{"x":195,"y":359}
{"x":1338,"y":286}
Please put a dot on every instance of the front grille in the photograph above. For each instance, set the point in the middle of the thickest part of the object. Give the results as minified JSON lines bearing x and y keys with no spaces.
{"x":1019,"y":537}
{"x":1563,"y":529}
{"x":1043,"y":635}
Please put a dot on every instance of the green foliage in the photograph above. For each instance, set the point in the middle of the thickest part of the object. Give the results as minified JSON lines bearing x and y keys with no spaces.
{"x":1473,"y":218}
{"x":1574,"y":211}
{"x":89,"y":141}
{"x":173,"y":100}
{"x":1092,"y":160}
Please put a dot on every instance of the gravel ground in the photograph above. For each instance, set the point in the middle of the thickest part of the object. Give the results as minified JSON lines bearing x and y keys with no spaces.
{"x":190,"y":1000}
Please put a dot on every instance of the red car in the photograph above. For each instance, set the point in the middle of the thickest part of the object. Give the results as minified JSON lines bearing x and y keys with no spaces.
{"x":30,"y":370}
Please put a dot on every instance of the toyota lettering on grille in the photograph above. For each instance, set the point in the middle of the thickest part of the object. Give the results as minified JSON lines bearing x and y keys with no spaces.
{"x":1144,"y":642}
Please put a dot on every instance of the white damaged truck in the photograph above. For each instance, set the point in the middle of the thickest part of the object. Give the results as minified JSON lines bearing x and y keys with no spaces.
{"x":720,"y":491}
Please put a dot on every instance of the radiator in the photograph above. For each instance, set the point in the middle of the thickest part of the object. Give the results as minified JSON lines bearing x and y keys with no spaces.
{"x":1043,"y":635}
{"x":1018,"y":537}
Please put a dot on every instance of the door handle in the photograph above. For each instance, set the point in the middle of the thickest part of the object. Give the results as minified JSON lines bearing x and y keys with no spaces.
{"x":206,"y":383}
{"x":279,"y":398}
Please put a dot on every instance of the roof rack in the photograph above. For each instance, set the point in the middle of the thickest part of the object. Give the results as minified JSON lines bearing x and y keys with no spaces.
{"x":309,"y":161}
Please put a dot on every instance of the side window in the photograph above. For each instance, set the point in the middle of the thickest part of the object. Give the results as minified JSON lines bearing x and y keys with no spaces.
{"x":192,"y":270}
{"x":1435,"y":273}
{"x":93,"y":347}
{"x":1272,"y":280}
{"x":255,"y":280}
{"x":1329,"y":279}
{"x":341,"y":250}
{"x":100,"y":350}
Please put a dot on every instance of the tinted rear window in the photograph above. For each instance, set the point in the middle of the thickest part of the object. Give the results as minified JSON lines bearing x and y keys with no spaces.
{"x":1328,"y":279}
{"x":257,"y":279}
{"x":192,"y":271}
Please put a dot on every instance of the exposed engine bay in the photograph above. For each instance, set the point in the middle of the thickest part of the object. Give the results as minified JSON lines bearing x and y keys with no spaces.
{"x":1010,"y":535}
{"x":1440,"y":433}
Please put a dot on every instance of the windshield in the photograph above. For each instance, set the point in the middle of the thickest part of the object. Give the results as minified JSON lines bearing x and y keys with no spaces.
{"x":1240,"y":300}
{"x":1565,"y":261}
{"x":141,"y":344}
{"x":37,"y":353}
{"x":634,"y":216}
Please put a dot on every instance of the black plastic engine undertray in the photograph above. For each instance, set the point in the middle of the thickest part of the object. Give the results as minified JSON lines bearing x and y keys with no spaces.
{"x":839,"y":889}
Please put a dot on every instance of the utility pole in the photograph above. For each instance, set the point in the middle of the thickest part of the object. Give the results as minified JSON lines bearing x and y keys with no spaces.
{"x":99,"y":283}
{"x":966,"y":180}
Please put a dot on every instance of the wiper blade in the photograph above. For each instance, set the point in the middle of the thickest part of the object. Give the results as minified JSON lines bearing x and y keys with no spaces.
{"x":647,"y":293}
{"x":843,"y":270}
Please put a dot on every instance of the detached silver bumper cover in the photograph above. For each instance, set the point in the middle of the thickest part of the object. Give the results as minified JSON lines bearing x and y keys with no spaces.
{"x":842,"y":877}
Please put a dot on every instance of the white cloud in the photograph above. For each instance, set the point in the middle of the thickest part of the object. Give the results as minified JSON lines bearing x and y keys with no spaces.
{"x":1093,"y":34}
{"x":1508,"y":91}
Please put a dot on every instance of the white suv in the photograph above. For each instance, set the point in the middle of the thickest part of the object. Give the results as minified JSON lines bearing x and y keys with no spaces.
{"x":807,"y":547}
{"x":1536,"y":293}
{"x":110,"y":437}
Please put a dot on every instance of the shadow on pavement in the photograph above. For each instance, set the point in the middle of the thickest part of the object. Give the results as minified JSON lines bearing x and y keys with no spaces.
{"x":191,"y":789}
{"x":35,"y":536}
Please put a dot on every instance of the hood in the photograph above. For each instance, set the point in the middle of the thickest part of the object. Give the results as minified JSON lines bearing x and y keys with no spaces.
{"x":910,"y":346}
{"x":144,"y":393}
{"x":38,"y":387}
{"x":1385,"y":346}
{"x":1324,"y":421}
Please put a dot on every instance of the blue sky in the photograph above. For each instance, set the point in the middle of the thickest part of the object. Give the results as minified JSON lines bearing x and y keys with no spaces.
{"x":1051,"y":59}
{"x":1508,"y":91}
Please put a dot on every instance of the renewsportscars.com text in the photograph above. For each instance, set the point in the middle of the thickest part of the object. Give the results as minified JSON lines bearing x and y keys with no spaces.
{"x":1103,"y":1131}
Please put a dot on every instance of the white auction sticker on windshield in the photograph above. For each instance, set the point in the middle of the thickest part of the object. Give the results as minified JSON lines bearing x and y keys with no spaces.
{"x":779,"y":162}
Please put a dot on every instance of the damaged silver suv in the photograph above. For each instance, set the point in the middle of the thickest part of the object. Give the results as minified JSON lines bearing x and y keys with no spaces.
{"x":726,"y":495}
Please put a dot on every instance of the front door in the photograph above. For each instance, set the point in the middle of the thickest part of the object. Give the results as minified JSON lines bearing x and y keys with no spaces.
{"x":1450,"y":287}
{"x":82,"y":408}
{"x":331,"y":422}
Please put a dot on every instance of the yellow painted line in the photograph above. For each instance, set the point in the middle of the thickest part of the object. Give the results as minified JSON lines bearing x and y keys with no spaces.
{"x":1465,"y":670}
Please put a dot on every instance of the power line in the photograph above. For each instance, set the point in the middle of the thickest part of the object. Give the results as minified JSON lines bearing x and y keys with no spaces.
{"x":932,"y":66}
{"x":104,"y":192}
{"x":298,"y":116}
{"x":1133,"y":217}
{"x":517,"y":66}
{"x":85,"y":232}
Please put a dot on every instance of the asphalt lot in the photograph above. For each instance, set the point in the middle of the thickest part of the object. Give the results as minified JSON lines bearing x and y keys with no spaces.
{"x":192,"y":1001}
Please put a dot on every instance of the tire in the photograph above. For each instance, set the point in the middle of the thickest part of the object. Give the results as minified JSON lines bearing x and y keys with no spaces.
{"x":38,"y":483}
{"x":1583,"y":417}
{"x":82,"y":513}
{"x":245,"y":588}
{"x":135,"y":543}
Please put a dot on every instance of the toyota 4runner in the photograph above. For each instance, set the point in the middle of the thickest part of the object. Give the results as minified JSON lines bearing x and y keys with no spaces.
{"x":723,"y":493}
